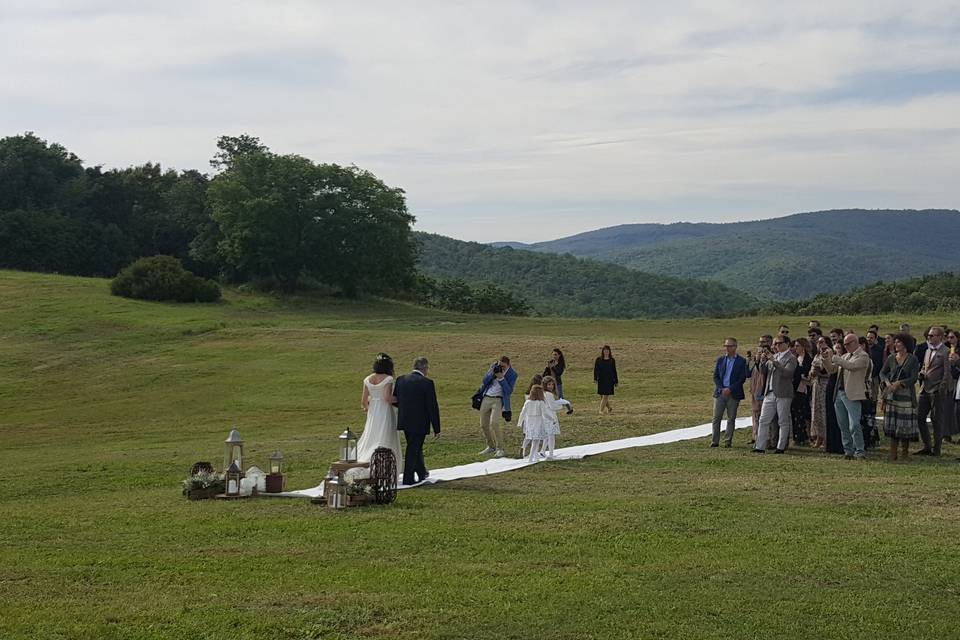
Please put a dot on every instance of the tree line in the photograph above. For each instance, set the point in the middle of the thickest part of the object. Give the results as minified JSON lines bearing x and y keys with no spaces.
{"x":932,"y":293}
{"x":279,"y":220}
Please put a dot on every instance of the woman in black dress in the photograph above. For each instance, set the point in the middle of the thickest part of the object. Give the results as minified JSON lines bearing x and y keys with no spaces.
{"x":800,"y":407}
{"x":605,"y":375}
{"x":834,"y":439}
{"x":555,"y":368}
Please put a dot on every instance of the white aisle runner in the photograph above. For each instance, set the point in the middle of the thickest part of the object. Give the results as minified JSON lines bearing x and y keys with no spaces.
{"x":499,"y":465}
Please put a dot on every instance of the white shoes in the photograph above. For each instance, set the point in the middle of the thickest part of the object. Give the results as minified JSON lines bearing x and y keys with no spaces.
{"x":498,"y":453}
{"x":488,"y":451}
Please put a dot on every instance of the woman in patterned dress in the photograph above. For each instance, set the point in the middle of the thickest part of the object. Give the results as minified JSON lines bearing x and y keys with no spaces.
{"x":899,"y":377}
{"x":819,"y":378}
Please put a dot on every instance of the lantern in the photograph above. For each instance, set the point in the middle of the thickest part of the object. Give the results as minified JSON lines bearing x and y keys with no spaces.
{"x":233,"y":450}
{"x":337,"y":489}
{"x":274,"y":483}
{"x":348,"y":446}
{"x":232,"y":479}
{"x":276,"y":463}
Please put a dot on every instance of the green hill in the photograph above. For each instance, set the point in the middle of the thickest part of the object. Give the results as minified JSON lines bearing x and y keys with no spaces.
{"x":933,"y":293}
{"x":568,"y":286}
{"x":792,"y":257}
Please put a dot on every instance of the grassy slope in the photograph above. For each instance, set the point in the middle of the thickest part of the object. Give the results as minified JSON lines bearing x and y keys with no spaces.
{"x":107,"y":402}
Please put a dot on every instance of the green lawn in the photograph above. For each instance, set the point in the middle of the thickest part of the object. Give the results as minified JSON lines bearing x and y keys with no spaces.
{"x":105,"y":403}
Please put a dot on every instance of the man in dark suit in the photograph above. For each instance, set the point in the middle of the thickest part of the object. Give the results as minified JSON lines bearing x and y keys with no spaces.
{"x":936,"y":389}
{"x":417,"y":411}
{"x":729,"y":374}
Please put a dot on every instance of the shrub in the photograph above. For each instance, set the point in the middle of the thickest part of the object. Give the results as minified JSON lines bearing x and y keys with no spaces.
{"x":163,"y":278}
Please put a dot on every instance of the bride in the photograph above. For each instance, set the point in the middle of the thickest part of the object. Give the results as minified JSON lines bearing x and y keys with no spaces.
{"x":377,"y":400}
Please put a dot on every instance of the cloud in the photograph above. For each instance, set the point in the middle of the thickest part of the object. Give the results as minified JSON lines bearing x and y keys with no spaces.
{"x":515,"y":112}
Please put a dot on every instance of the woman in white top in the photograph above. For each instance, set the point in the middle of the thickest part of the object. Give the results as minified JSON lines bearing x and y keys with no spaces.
{"x":380,"y":429}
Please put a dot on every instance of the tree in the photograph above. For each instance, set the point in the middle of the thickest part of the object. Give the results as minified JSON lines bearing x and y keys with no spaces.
{"x":282,"y":217}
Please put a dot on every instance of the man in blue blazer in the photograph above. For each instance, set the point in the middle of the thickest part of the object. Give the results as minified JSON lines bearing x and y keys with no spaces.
{"x":729,"y":374}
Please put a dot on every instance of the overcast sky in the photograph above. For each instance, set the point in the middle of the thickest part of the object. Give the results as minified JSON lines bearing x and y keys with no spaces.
{"x":516,"y":120}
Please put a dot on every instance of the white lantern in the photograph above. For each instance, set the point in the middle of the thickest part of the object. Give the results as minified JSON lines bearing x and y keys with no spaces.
{"x":233,"y":450}
{"x":232,"y":479}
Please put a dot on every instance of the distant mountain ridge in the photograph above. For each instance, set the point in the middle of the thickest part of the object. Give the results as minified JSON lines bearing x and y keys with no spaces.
{"x":564,"y":285}
{"x":792,"y":257}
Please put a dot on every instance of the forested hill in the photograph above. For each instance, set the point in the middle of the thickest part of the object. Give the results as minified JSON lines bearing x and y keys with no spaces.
{"x":939,"y":292}
{"x":797,"y":256}
{"x":565,"y":285}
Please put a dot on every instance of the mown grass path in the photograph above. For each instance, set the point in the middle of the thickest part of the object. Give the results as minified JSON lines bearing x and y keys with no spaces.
{"x":105,"y":403}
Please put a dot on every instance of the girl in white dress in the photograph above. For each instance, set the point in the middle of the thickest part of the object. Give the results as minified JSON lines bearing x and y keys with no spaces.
{"x":380,"y":429}
{"x":534,"y":417}
{"x":552,"y":428}
{"x":526,"y":441}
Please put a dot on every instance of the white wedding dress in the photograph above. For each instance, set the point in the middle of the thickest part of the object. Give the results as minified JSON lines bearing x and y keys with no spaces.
{"x":381,"y":427}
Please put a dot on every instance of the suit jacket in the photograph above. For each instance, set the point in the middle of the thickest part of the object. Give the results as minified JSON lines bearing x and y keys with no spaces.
{"x":937,"y":377}
{"x":738,"y":376}
{"x":782,"y":372}
{"x":417,"y":407}
{"x":854,"y":368}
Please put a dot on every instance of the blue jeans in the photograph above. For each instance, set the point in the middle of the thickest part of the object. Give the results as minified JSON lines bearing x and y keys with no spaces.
{"x":559,"y":390}
{"x":848,"y":417}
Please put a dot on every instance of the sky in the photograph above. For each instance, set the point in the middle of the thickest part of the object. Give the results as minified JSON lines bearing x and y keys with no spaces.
{"x":521,"y":121}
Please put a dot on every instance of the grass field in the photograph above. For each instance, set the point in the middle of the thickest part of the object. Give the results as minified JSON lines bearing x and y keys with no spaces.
{"x":105,"y":403}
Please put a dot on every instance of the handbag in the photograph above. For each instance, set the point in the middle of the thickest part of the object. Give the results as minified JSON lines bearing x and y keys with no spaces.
{"x":476,"y":400}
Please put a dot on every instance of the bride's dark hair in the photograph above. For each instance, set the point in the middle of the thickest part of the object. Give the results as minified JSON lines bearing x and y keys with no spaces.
{"x":383,"y":364}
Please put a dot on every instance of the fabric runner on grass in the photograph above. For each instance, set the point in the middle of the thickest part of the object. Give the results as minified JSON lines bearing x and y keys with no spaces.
{"x":500,"y":465}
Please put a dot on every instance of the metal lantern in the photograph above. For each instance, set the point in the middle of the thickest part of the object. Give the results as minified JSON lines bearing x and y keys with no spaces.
{"x":232,"y":479}
{"x":274,"y":483}
{"x":276,"y":462}
{"x":337,"y":489}
{"x":348,"y":446}
{"x":233,"y":450}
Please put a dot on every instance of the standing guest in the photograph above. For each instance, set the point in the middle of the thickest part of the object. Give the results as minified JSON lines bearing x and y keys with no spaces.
{"x":875,"y":348}
{"x":888,"y":347}
{"x":605,"y":375}
{"x":533,"y":419}
{"x":868,"y":411}
{"x":836,"y":338}
{"x":729,"y":374}
{"x":800,"y":407}
{"x":819,"y":377}
{"x":555,"y":368}
{"x":899,"y":377}
{"x":953,"y":346}
{"x":552,"y":426}
{"x":814,"y":324}
{"x":496,"y":389}
{"x":834,"y":438}
{"x":905,"y":328}
{"x":778,"y":394}
{"x":758,"y":380}
{"x":851,"y":389}
{"x":814,"y":335}
{"x":417,"y":411}
{"x":783,"y":330}
{"x":936,"y":390}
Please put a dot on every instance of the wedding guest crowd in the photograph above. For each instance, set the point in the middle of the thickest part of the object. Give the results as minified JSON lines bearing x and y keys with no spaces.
{"x":828,"y":391}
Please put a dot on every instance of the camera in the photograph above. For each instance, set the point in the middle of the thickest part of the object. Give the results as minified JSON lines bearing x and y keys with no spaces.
{"x":497,"y":368}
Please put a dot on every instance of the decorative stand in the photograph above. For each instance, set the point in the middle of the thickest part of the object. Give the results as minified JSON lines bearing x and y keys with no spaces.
{"x":383,"y":475}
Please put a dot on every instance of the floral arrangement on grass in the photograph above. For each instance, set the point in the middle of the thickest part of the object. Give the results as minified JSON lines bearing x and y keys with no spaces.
{"x":204,"y":481}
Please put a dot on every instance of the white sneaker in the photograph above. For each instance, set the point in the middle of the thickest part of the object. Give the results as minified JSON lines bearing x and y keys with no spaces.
{"x":488,"y":451}
{"x":498,"y":453}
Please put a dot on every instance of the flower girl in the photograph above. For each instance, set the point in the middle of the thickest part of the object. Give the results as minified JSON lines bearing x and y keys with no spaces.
{"x":534,"y":417}
{"x":552,"y":427}
{"x":537,"y":378}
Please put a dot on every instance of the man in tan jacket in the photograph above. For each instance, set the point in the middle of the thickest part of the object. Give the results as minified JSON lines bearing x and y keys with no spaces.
{"x":851,"y":390}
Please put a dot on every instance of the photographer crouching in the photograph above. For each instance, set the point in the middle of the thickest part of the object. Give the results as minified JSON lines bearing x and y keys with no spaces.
{"x":495,"y":392}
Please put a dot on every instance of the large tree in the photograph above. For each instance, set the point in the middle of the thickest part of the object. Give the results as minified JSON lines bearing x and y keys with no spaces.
{"x":283,"y":217}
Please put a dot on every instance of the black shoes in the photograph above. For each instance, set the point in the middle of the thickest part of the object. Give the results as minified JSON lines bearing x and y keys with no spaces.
{"x":778,"y":451}
{"x":727,"y":445}
{"x":714,"y":444}
{"x":758,"y":450}
{"x":923,"y":452}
